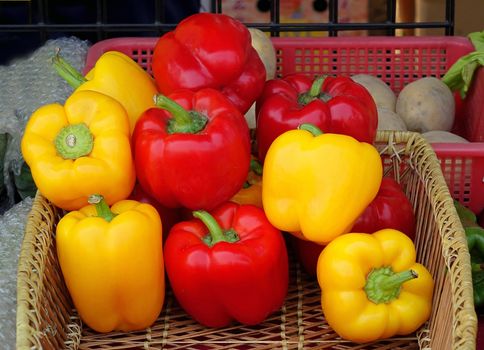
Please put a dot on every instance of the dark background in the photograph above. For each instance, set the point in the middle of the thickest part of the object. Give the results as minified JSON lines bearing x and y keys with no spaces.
{"x":83,"y":13}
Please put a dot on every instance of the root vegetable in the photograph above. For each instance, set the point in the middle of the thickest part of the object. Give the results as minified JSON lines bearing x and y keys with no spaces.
{"x":264,"y":47}
{"x":389,"y":120}
{"x":382,"y":94}
{"x":438,"y":136}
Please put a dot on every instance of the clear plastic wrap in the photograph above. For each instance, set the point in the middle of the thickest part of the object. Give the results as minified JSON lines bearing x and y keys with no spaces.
{"x":28,"y":83}
{"x":12,"y":225}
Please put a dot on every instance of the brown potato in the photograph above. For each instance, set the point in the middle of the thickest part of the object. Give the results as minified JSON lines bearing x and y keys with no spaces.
{"x":426,"y":104}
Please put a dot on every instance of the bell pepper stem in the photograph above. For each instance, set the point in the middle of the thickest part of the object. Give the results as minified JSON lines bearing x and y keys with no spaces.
{"x":71,"y":75}
{"x":182,"y":121}
{"x":102,"y":208}
{"x":315,"y":89}
{"x":256,"y":167}
{"x":314,"y":92}
{"x":74,"y":141}
{"x":216,"y":234}
{"x":313,"y":129}
{"x":383,"y":285}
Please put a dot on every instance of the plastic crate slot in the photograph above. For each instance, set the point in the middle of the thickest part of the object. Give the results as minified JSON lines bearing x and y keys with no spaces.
{"x":457,"y":173}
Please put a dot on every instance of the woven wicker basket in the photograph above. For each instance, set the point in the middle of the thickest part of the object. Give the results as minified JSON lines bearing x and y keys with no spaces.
{"x":47,"y":319}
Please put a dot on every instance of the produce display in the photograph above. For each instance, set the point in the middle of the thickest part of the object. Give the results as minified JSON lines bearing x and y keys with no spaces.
{"x":157,"y":179}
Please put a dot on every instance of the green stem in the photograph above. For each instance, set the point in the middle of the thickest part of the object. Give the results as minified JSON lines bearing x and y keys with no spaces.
{"x":256,"y":167}
{"x":314,"y":91}
{"x":102,"y":208}
{"x":182,"y":121}
{"x":216,"y":234}
{"x":383,"y":285}
{"x":74,"y":141}
{"x":313,"y":129}
{"x":71,"y":75}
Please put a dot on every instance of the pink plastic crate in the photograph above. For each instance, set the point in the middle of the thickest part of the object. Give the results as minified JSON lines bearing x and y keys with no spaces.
{"x":397,"y":61}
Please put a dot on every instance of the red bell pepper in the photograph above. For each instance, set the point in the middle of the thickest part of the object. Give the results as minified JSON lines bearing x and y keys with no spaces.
{"x":193,"y":151}
{"x":231,"y":265}
{"x":391,"y":208}
{"x":334,"y":104}
{"x":169,"y":216}
{"x":306,"y":253}
{"x":210,"y":50}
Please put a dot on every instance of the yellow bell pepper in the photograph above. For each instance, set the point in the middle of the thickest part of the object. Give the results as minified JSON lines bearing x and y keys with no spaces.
{"x":316,"y":185}
{"x":112,"y":263}
{"x":251,"y":192}
{"x":80,"y":148}
{"x":117,"y":75}
{"x":371,"y":286}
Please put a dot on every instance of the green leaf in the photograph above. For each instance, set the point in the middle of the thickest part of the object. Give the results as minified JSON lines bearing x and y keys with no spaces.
{"x":459,"y":76}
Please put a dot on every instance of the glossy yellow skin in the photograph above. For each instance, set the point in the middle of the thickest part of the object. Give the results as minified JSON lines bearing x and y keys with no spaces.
{"x":342,"y":269}
{"x":315,"y":187}
{"x":107,"y":170}
{"x":113,"y":270}
{"x":119,"y":76}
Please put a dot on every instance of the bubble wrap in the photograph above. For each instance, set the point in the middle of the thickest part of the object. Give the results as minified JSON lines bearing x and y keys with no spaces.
{"x":28,"y":83}
{"x":12,"y":225}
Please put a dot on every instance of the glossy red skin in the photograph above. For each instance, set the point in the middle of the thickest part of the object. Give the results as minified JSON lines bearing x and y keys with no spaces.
{"x":243,"y":281}
{"x":391,"y":208}
{"x":169,"y":216}
{"x":307,"y":253}
{"x":350,"y":111}
{"x":195,"y":171}
{"x":210,"y":50}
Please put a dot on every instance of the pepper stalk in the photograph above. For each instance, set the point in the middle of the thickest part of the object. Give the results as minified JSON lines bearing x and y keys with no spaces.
{"x":216,"y":234}
{"x":383,"y":285}
{"x":182,"y":121}
{"x":70,"y":74}
{"x":102,"y":208}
